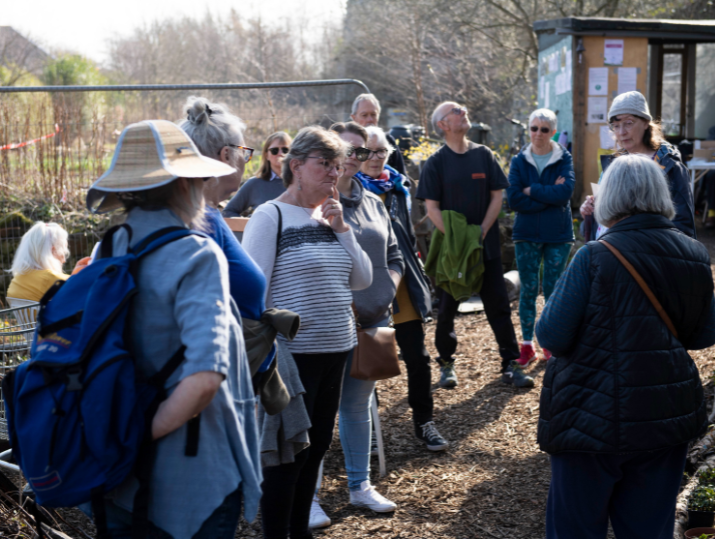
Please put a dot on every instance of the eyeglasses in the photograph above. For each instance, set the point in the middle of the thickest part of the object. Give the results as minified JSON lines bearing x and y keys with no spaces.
{"x":361,"y":154}
{"x":380,"y":153}
{"x":246,"y":153}
{"x":327,"y":165}
{"x":535,"y":128}
{"x":626,"y":126}
{"x":282,"y":149}
{"x":457,"y":111}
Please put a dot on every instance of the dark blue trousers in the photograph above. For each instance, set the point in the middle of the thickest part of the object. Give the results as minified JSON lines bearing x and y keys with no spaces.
{"x":636,"y":491}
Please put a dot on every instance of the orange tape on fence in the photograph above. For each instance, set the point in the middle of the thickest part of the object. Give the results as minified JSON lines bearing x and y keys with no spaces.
{"x":28,"y":142}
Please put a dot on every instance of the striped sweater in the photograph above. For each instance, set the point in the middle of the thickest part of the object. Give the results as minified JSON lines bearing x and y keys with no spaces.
{"x":313,"y":274}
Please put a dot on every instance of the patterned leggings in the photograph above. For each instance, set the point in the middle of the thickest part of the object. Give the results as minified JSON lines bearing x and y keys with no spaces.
{"x":528,"y":260}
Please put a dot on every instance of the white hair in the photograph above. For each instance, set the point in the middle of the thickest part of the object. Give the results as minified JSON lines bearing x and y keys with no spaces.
{"x":632,"y":184}
{"x":438,"y":118}
{"x":366,"y":97}
{"x":544,"y":115}
{"x":374,"y":131}
{"x":211,"y":126}
{"x":35,"y":249}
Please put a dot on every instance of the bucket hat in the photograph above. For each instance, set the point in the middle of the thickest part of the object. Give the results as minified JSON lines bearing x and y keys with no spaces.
{"x":150,"y":154}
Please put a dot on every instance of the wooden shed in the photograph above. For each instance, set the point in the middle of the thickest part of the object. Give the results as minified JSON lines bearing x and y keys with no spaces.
{"x":584,"y":63}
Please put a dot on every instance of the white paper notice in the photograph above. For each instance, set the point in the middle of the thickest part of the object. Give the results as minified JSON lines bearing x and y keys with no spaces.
{"x":613,"y":52}
{"x":598,"y":81}
{"x":541,"y":87}
{"x":597,"y":110}
{"x":554,"y":62}
{"x":607,"y":142}
{"x":559,"y":84}
{"x":627,"y":77}
{"x":567,"y":77}
{"x":568,"y":61}
{"x":547,"y":91}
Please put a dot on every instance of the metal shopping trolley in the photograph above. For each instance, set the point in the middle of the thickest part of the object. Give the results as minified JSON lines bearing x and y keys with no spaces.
{"x":17,"y":327}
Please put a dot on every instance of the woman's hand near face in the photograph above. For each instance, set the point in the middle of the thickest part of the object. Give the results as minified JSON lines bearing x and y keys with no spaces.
{"x":333,"y":212}
{"x":587,"y":206}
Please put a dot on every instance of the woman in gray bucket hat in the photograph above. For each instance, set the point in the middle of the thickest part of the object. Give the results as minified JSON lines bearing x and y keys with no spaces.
{"x":636,"y":132}
{"x":157,"y":176}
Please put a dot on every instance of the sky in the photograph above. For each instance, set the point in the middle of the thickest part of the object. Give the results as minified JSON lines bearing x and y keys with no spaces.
{"x":83,"y":26}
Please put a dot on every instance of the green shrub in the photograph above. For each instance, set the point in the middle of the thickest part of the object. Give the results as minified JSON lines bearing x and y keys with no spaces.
{"x":702,"y":499}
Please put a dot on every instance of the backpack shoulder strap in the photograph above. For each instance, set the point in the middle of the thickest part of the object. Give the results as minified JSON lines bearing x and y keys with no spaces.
{"x":107,"y":247}
{"x":279,"y":234}
{"x":644,"y":286}
{"x":162,"y":237}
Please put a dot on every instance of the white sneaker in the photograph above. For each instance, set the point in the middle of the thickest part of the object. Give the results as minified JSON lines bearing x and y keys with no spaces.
{"x":318,"y":518}
{"x":368,"y":497}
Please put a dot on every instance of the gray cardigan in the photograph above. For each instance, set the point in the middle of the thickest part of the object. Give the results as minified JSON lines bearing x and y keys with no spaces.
{"x":367,"y":216}
{"x":285,"y":434}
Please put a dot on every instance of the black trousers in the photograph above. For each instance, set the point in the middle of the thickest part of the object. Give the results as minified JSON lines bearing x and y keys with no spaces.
{"x":498,"y":311}
{"x":288,"y":488}
{"x":410,"y":338}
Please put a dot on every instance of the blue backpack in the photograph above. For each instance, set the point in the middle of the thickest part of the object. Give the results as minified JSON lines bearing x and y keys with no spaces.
{"x":79,"y":413}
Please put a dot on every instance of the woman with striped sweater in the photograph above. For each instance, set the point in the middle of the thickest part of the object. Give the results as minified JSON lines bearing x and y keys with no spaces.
{"x":312,"y":262}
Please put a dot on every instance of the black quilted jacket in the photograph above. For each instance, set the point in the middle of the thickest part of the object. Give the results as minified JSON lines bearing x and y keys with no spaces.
{"x":628,"y":385}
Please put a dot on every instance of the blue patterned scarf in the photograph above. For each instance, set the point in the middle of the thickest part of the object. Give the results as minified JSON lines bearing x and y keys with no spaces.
{"x":383,"y":185}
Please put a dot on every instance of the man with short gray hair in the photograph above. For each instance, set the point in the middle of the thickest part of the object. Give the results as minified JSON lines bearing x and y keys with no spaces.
{"x":366,"y":112}
{"x":466,"y":178}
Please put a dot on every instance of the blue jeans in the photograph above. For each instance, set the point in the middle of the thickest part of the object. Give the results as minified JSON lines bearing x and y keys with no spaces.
{"x":528,"y":261}
{"x":355,"y":423}
{"x":636,"y":491}
{"x":220,"y":525}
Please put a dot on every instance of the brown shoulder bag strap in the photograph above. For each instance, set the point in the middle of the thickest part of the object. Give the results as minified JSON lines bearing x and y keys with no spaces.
{"x":649,"y":294}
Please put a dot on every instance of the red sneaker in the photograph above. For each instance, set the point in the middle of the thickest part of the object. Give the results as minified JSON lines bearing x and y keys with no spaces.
{"x":527,"y":355}
{"x":547,"y":354}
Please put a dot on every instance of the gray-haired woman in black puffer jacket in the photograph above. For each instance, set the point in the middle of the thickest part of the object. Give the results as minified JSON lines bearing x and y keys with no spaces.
{"x":622,"y":397}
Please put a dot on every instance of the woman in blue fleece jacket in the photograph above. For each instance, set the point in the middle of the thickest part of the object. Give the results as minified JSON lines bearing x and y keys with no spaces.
{"x":541,"y":182}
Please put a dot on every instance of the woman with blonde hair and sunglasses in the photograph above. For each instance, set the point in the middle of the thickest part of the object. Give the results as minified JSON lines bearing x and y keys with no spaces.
{"x":267,"y":185}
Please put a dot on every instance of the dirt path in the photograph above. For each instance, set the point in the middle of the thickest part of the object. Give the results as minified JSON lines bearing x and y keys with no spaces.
{"x":492,"y":482}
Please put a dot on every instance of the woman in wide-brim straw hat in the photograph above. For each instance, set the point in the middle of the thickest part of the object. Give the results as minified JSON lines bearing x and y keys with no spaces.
{"x":157,"y":177}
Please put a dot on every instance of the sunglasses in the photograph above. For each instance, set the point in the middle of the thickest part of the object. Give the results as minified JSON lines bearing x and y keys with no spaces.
{"x":244,"y":151}
{"x":457,"y":111}
{"x":361,"y":154}
{"x":282,"y":149}
{"x":544,"y":130}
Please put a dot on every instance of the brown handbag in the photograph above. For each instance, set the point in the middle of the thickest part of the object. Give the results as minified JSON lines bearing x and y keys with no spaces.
{"x":375,"y":356}
{"x":646,"y":289}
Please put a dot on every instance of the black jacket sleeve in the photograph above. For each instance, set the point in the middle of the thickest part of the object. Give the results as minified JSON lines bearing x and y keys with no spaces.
{"x":682,"y":195}
{"x":395,"y":160}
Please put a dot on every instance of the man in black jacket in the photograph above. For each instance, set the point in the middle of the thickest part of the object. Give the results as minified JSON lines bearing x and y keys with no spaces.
{"x":366,"y":112}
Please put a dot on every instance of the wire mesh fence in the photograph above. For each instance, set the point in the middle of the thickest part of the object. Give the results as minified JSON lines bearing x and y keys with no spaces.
{"x":54,"y":145}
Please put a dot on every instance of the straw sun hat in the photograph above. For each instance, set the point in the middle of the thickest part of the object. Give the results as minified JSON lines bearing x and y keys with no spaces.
{"x":150,"y":154}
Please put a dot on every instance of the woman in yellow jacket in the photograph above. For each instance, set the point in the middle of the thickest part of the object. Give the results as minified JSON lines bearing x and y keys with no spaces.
{"x":38,"y":261}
